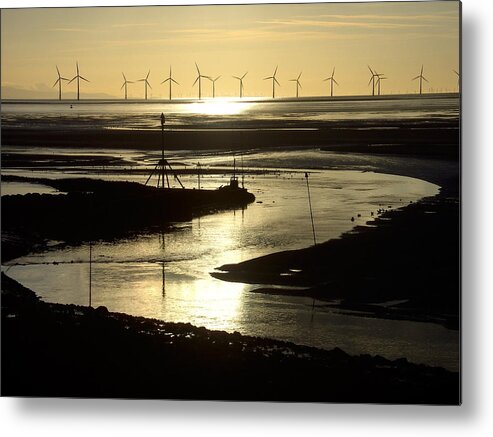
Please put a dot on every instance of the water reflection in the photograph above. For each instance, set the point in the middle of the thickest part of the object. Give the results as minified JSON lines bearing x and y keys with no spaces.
{"x":167,"y":276}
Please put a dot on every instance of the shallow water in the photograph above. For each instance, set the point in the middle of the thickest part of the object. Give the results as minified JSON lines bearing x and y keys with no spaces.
{"x":168,"y":276}
{"x":225,"y":113}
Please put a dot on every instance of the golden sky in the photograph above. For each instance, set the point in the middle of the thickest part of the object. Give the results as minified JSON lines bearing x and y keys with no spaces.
{"x":395,"y":39}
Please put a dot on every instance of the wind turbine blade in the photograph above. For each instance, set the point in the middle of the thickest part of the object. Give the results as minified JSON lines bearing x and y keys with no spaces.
{"x":197,"y":67}
{"x":275,"y":71}
{"x":333,"y":71}
{"x":417,"y":77}
{"x":236,"y":77}
{"x":166,"y":80}
{"x":83,"y":78}
{"x":300,"y":75}
{"x":71,"y":80}
{"x":421,"y":70}
{"x":277,"y":81}
{"x":335,"y":81}
{"x":371,"y":71}
{"x":270,"y":77}
{"x":456,"y":73}
{"x":242,"y":77}
{"x":64,"y":78}
{"x":148,"y":73}
{"x":122,"y":85}
{"x":130,"y":81}
{"x":57,"y":70}
{"x":149,"y":84}
{"x":293,"y":80}
{"x":58,"y":80}
{"x":173,"y":80}
{"x":196,"y":81}
{"x":299,"y":85}
{"x":325,"y":80}
{"x":369,"y":82}
{"x":77,"y":66}
{"x":425,"y":79}
{"x":124,"y":78}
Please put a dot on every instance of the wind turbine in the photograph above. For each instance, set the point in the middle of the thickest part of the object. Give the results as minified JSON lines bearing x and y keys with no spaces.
{"x":125,"y":82}
{"x":458,"y":79}
{"x":274,"y":81}
{"x":421,"y":78}
{"x":241,"y":83}
{"x":213,"y":85}
{"x":170,"y":79}
{"x":59,"y":82}
{"x":380,"y":78}
{"x":78,"y":77}
{"x":372,"y":80}
{"x":298,"y":84}
{"x":146,"y":83}
{"x":332,"y":81}
{"x":199,"y":79}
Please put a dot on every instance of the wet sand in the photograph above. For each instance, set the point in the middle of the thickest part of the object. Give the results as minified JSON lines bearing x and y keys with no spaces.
{"x":53,"y":350}
{"x":435,"y":138}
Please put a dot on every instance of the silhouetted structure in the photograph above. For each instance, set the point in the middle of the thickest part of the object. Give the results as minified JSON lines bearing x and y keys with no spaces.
{"x":163,"y":166}
{"x":146,"y":83}
{"x":170,"y":79}
{"x":332,"y":81}
{"x":241,"y":83}
{"x":59,"y":82}
{"x":214,"y":85}
{"x":78,"y":77}
{"x":125,"y":82}
{"x":199,"y":80}
{"x":298,"y":84}
{"x":274,"y":81}
{"x":421,"y":78}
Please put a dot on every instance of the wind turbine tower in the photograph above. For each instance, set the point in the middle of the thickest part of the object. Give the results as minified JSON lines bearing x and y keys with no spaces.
{"x":146,"y":83}
{"x":125,"y":82}
{"x":213,"y":85}
{"x":59,"y":82}
{"x":298,"y":84}
{"x":332,"y":82}
{"x":169,"y":79}
{"x":458,"y":80}
{"x":199,"y":80}
{"x":421,"y":78}
{"x":241,"y":83}
{"x":379,"y":80}
{"x":78,"y":77}
{"x":274,"y":81}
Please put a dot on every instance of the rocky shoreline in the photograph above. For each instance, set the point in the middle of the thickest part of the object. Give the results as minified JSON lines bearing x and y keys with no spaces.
{"x":54,"y":350}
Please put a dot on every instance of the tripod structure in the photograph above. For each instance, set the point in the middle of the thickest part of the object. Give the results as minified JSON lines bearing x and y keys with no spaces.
{"x":163,"y":167}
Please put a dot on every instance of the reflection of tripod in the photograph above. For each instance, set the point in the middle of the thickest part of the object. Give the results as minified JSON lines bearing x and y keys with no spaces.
{"x":163,"y":165}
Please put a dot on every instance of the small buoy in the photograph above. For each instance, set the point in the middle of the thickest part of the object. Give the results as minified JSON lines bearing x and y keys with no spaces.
{"x":371,"y":213}
{"x":352,"y":219}
{"x":359,"y":215}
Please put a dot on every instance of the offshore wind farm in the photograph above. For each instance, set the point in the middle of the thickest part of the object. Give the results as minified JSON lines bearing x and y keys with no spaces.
{"x":262,"y":201}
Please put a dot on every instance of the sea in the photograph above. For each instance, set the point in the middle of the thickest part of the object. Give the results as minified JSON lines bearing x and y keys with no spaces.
{"x":168,"y":275}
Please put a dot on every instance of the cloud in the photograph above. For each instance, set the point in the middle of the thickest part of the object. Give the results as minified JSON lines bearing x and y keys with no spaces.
{"x":345,"y":24}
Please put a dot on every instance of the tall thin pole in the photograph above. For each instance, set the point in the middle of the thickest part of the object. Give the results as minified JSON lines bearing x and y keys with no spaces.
{"x":311,"y":212}
{"x":198,"y":172}
{"x":162,"y":151}
{"x":90,"y":273}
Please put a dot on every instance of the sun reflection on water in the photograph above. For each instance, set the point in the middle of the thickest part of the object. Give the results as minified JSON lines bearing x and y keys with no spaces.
{"x":219,"y":106}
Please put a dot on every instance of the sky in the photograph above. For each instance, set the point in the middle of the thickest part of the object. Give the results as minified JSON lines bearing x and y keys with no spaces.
{"x":394,"y":38}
